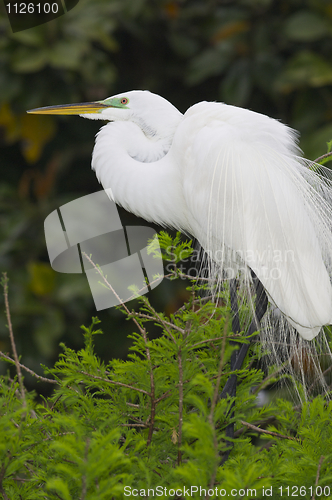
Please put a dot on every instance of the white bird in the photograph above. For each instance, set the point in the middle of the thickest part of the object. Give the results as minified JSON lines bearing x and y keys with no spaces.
{"x":236,"y":181}
{"x":232,"y":178}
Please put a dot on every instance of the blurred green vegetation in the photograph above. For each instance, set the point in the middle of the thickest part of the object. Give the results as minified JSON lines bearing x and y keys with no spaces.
{"x":271,"y":57}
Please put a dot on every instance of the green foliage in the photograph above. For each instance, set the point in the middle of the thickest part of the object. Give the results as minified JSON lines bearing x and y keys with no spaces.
{"x":156,"y":421}
{"x":174,"y":249}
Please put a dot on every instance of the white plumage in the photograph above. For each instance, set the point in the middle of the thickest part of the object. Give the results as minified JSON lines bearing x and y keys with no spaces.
{"x":234,"y":179}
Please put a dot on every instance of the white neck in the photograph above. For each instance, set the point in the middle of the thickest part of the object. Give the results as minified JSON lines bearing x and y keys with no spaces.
{"x":141,"y":173}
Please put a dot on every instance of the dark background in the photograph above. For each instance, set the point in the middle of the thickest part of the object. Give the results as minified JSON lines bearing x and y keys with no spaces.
{"x":274,"y":57}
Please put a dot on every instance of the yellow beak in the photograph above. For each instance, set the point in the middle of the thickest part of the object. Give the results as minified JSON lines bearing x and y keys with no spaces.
{"x":70,"y":109}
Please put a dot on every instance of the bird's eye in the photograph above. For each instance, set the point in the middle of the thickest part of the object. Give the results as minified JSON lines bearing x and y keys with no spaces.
{"x":124,"y":100}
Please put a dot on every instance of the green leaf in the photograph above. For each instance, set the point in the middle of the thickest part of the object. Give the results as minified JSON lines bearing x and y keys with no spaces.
{"x":60,"y":487}
{"x":306,"y":26}
{"x":304,"y":69}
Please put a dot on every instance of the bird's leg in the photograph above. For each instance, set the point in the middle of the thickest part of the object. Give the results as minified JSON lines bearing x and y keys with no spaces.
{"x":235,"y":325}
{"x":236,"y":329}
{"x":238,"y":355}
{"x":260,"y":309}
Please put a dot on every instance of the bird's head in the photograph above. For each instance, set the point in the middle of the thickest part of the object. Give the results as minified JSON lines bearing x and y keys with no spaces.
{"x":151,"y":112}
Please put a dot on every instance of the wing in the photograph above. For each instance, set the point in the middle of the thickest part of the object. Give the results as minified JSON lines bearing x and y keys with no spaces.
{"x":254,"y":204}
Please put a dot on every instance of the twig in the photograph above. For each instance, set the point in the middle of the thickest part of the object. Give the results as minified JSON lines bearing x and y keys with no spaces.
{"x":163,"y":321}
{"x":180,"y":405}
{"x":193,"y":299}
{"x":183,"y":275}
{"x":84,"y":485}
{"x":152,"y":384}
{"x":200,"y":300}
{"x":132,"y":405}
{"x":163,"y":396}
{"x":322,"y":157}
{"x":2,"y":475}
{"x":134,"y":296}
{"x":15,"y":424}
{"x":318,"y":472}
{"x":11,"y":334}
{"x":108,"y":381}
{"x":112,"y":290}
{"x":214,"y":402}
{"x":263,"y":431}
{"x":51,"y":439}
{"x":43,"y":379}
{"x":221,"y":363}
{"x":152,"y":395}
{"x":268,"y":421}
{"x":4,"y":493}
{"x":134,"y":425}
{"x":231,"y":337}
{"x":144,"y":335}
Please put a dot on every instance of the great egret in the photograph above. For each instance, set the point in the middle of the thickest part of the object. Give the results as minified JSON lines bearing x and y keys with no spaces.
{"x":236,"y":181}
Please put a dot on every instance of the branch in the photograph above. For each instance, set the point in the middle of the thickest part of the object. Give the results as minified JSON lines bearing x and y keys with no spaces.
{"x":11,"y":334}
{"x":152,"y":394}
{"x":214,"y":402}
{"x":112,"y":290}
{"x":221,"y":364}
{"x":84,"y":485}
{"x":134,"y":425}
{"x":183,"y":275}
{"x":162,"y":321}
{"x":230,"y":337}
{"x":43,"y":379}
{"x":108,"y":381}
{"x":143,"y":332}
{"x":200,"y":300}
{"x":163,"y":396}
{"x":317,"y":476}
{"x":150,"y":284}
{"x":2,"y":475}
{"x":263,"y":431}
{"x":180,"y":404}
{"x":268,"y":421}
{"x":322,"y":157}
{"x":132,"y":405}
